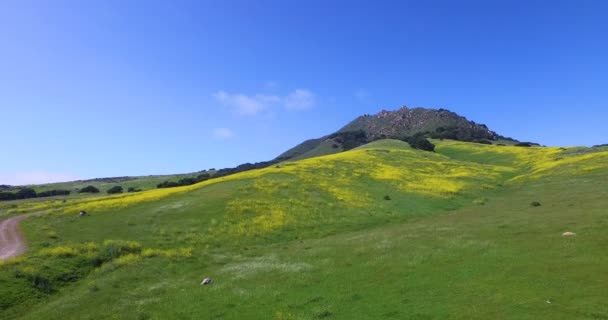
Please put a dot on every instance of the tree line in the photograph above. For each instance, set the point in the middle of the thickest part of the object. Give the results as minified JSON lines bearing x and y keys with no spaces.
{"x":27,"y":193}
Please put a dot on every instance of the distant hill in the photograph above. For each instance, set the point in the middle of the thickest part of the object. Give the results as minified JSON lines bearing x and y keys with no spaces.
{"x":398,"y":124}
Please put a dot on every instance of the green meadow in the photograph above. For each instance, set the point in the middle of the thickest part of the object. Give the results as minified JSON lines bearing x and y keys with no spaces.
{"x":383,"y":231}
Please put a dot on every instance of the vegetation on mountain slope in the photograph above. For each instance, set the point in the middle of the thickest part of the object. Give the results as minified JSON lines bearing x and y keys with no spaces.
{"x":404,"y":124}
{"x":317,"y":239}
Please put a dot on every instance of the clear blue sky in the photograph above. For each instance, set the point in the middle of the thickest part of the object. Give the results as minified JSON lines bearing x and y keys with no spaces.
{"x":111,"y":88}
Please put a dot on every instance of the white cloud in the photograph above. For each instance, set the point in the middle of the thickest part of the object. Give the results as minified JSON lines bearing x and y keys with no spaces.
{"x":300,"y":99}
{"x":35,"y":177}
{"x":246,"y":105}
{"x":223,"y":133}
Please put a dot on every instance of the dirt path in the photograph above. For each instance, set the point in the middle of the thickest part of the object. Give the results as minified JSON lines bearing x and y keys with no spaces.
{"x":12,"y":242}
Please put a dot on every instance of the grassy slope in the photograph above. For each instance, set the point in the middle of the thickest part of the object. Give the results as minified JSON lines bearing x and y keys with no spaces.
{"x":142,"y":182}
{"x":322,"y":149}
{"x":316,"y":239}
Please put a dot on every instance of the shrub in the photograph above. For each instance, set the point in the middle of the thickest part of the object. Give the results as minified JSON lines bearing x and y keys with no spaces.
{"x":167,"y":184}
{"x":186,"y":181}
{"x":89,"y":189}
{"x":26,"y":193}
{"x":115,"y":189}
{"x":387,"y":197}
{"x":51,"y":193}
{"x":535,"y":204}
{"x":350,"y":139}
{"x":203,"y":177}
{"x":5,"y":196}
{"x":420,"y":142}
{"x":37,"y":280}
{"x":133,"y":189}
{"x":527,"y":144}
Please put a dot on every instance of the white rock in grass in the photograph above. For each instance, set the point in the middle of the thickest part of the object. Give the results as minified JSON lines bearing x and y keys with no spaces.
{"x":207,"y":281}
{"x":568,"y":234}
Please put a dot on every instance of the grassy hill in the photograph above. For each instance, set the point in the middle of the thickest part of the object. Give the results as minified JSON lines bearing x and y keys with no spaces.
{"x":139,"y":183}
{"x":378,"y":232}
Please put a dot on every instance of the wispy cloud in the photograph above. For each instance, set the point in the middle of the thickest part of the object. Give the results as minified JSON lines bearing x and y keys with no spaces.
{"x":248,"y":105}
{"x":244,"y":104}
{"x":300,"y":99}
{"x":223,"y":133}
{"x":35,"y":177}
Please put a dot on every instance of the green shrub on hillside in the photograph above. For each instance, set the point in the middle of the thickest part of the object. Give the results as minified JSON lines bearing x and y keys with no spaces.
{"x":25,"y":193}
{"x":51,"y":193}
{"x":5,"y":196}
{"x":167,"y":184}
{"x":526,"y":144}
{"x":420,"y":142}
{"x":89,"y":189}
{"x":350,"y":139}
{"x":115,"y":189}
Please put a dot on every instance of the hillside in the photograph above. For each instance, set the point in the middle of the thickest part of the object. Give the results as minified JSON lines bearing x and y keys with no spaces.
{"x":378,"y":232}
{"x":398,"y":124}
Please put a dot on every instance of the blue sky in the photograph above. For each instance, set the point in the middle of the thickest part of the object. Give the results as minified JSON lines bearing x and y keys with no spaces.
{"x":112,"y":88}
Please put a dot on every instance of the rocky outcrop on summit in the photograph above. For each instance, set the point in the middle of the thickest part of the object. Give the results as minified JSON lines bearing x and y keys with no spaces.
{"x":408,"y":122}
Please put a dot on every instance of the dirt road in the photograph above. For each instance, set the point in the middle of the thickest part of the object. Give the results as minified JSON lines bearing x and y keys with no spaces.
{"x":12,"y":242}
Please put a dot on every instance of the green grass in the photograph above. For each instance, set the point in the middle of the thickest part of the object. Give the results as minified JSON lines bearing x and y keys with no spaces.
{"x":325,"y":147}
{"x":315,"y":239}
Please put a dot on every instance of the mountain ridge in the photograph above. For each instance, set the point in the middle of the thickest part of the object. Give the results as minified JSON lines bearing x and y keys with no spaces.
{"x":398,"y":124}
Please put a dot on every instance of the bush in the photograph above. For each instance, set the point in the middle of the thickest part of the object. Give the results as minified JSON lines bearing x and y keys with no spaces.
{"x":527,"y":144}
{"x":89,"y":189}
{"x":187,"y":181}
{"x":25,"y":193}
{"x":535,"y":204}
{"x":420,"y":142}
{"x":350,"y":139}
{"x":203,"y":177}
{"x":114,"y":190}
{"x":167,"y":184}
{"x":5,"y":196}
{"x":183,"y":181}
{"x":387,"y":197}
{"x":51,"y":193}
{"x":133,"y":189}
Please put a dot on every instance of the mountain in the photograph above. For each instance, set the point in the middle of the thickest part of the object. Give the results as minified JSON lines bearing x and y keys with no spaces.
{"x":398,"y":124}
